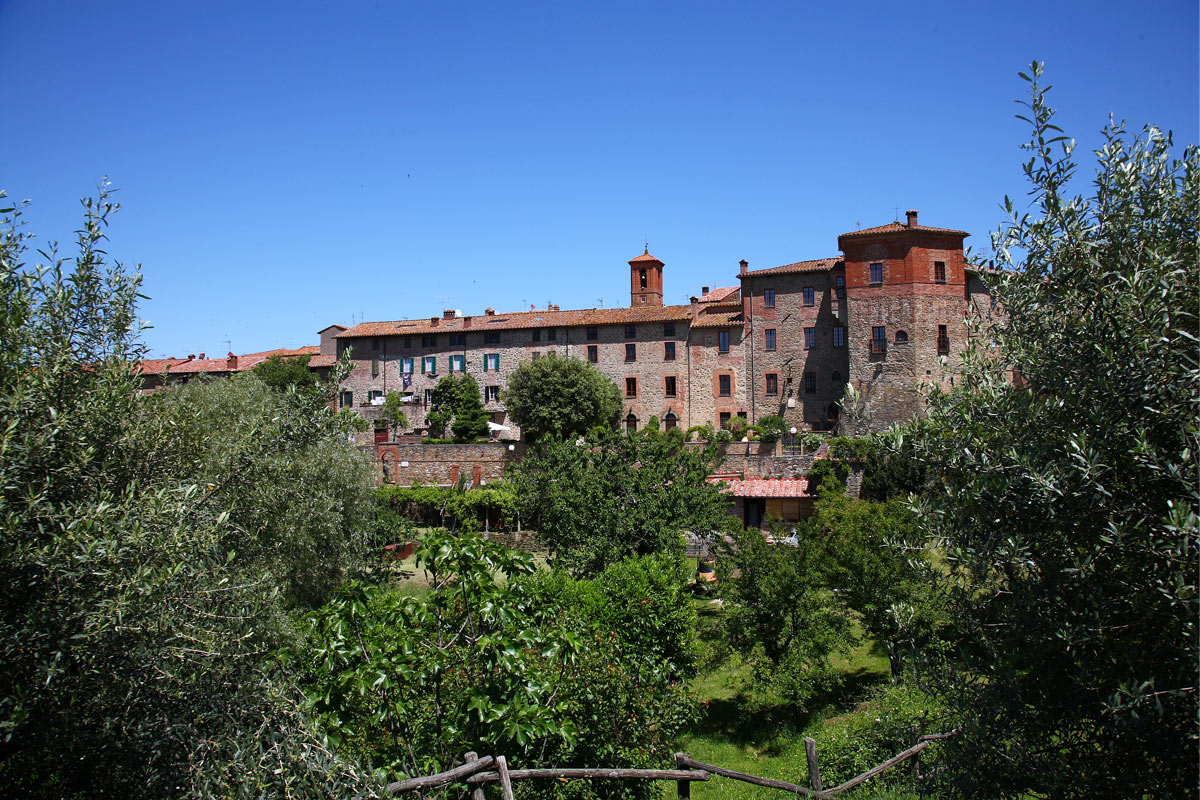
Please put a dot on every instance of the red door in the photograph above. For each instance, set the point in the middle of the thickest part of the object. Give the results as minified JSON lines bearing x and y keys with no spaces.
{"x":381,"y":436}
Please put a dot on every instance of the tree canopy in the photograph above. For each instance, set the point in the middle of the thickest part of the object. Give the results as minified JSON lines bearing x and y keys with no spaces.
{"x":598,"y":500}
{"x":564,"y":397}
{"x":281,"y":372}
{"x":1065,"y":480}
{"x":456,"y":403}
{"x":149,"y":550}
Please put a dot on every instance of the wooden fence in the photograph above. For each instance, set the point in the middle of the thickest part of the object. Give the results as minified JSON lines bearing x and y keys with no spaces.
{"x":477,"y":772}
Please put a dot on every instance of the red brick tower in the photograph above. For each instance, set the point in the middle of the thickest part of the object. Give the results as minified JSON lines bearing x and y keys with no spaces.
{"x":906,"y":296}
{"x":645,"y":280}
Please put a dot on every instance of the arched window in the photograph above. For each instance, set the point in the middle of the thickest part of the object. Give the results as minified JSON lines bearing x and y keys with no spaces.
{"x":631,"y":423}
{"x":670,"y":421}
{"x":901,"y":337}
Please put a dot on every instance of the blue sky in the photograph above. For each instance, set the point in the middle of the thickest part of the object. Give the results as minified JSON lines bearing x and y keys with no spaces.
{"x":286,"y":165}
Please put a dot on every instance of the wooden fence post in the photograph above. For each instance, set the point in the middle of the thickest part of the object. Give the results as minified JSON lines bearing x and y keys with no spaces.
{"x":814,"y":770}
{"x":684,"y":788}
{"x":505,"y":784}
{"x":477,"y":792}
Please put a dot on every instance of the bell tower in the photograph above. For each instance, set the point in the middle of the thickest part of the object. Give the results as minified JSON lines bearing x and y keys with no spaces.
{"x":645,"y":281}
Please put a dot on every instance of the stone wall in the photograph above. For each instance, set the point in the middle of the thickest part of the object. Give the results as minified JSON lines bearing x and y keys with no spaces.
{"x":443,"y":464}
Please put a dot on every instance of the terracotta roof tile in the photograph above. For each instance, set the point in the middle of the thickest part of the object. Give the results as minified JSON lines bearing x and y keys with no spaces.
{"x":815,"y":265}
{"x":157,"y":366}
{"x":322,"y":361}
{"x":200,"y":365}
{"x":768,"y":487}
{"x":524,"y":319}
{"x":897,"y":227}
{"x":645,"y":257}
{"x":719,"y":294}
{"x":719,"y":319}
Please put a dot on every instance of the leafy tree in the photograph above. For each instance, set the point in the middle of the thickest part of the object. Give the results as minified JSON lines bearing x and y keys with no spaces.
{"x":457,"y":399}
{"x":563,"y":397}
{"x":470,"y":419}
{"x":135,"y":640}
{"x":1066,"y":481}
{"x":780,"y":613}
{"x":597,"y":501}
{"x":771,"y":428}
{"x":393,"y":412}
{"x":281,"y":372}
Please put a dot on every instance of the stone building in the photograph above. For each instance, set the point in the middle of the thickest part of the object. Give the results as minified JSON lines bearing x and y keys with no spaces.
{"x":887,"y":315}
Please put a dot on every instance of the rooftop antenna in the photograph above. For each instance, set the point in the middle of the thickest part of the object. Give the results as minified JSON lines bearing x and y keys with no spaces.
{"x":600,"y":300}
{"x":228,"y":344}
{"x":896,"y":216}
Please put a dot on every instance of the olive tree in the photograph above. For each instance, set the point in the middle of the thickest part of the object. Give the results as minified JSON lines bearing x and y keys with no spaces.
{"x":142,"y":595}
{"x":1065,"y":480}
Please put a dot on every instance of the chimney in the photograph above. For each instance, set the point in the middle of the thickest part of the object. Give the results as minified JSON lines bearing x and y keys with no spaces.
{"x":912,"y":218}
{"x":191,"y":356}
{"x":433,"y":321}
{"x":466,"y":322}
{"x":202,"y":356}
{"x":231,"y":361}
{"x":448,"y":313}
{"x":489,"y":312}
{"x":745,"y":266}
{"x":703,"y":290}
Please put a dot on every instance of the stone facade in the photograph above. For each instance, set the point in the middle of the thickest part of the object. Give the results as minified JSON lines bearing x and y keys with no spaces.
{"x":885,"y":317}
{"x":408,"y":464}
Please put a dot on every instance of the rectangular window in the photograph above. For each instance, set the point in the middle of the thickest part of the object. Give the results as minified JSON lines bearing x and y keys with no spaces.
{"x":492,"y":394}
{"x":839,"y":284}
{"x":877,"y":273}
{"x":810,"y":338}
{"x":631,"y":352}
{"x":536,"y":333}
{"x":668,"y":351}
{"x":458,"y":340}
{"x":839,"y":336}
{"x":346,"y":400}
{"x":428,"y":397}
{"x":769,"y":339}
{"x":429,"y":341}
{"x":943,"y":341}
{"x":724,"y":385}
{"x":552,"y":334}
{"x":593,"y":353}
{"x":491,"y":361}
{"x":768,"y":298}
{"x":458,"y":363}
{"x":669,"y":386}
{"x":668,"y":329}
{"x":939,"y":272}
{"x":593,"y":334}
{"x":723,"y":419}
{"x":630,"y":331}
{"x":810,"y":383}
{"x":878,"y":339}
{"x":772,"y":380}
{"x":406,"y":366}
{"x":374,"y":344}
{"x":429,"y":365}
{"x":723,"y":341}
{"x":810,"y":296}
{"x":491,"y":337}
{"x":631,"y":387}
{"x":373,"y":395}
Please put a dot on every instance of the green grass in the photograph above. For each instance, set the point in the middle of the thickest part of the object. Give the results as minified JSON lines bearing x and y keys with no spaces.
{"x":768,"y":739}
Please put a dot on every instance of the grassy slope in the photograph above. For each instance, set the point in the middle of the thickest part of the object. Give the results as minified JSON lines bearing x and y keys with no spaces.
{"x":770,"y":742}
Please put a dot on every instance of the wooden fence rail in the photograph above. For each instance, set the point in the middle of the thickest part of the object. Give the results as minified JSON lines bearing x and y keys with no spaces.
{"x":478,"y":771}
